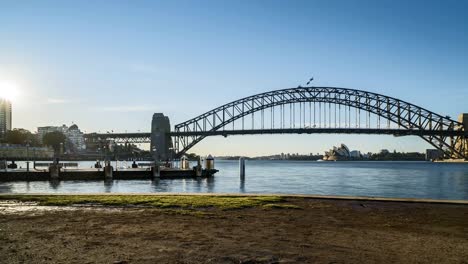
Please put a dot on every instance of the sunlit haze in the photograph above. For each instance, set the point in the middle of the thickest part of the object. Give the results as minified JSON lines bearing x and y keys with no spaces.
{"x":9,"y":90}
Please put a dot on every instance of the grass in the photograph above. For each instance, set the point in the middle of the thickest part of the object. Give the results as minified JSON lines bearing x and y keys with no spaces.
{"x":158,"y":201}
{"x":280,"y":206}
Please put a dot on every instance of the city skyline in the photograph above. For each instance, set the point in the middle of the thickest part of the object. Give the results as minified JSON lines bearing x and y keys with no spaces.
{"x":105,"y":71}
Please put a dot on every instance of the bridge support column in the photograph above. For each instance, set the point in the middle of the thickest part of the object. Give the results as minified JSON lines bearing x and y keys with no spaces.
{"x":161,"y":143}
{"x":462,"y":143}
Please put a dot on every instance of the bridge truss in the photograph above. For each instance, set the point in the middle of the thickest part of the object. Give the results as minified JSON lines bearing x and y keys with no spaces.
{"x":118,"y":138}
{"x":323,"y":110}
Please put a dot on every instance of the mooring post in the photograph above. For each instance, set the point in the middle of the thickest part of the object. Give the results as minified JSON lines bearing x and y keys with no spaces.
{"x":156,"y":170}
{"x":198,"y":168}
{"x":4,"y":165}
{"x":108,"y":170}
{"x":54,"y":170}
{"x":242,"y":168}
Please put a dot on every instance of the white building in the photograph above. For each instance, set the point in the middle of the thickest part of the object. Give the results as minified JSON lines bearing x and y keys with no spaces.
{"x":73,"y":134}
{"x":41,"y":131}
{"x":5,"y":116}
{"x":337,"y":153}
{"x":355,"y":154}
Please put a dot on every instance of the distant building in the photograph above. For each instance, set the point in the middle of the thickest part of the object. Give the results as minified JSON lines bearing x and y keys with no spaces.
{"x":5,"y":116}
{"x":366,"y":155}
{"x":337,"y":153}
{"x":434,"y":154}
{"x":355,"y":154}
{"x":75,"y":138}
{"x":41,"y":131}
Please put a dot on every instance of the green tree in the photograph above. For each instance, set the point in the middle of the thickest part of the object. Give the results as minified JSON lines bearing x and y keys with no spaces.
{"x":21,"y":136}
{"x":54,"y":139}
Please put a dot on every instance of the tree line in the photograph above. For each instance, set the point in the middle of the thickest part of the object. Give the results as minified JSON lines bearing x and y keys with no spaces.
{"x":20,"y":136}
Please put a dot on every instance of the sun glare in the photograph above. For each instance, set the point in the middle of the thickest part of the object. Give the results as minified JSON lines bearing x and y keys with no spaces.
{"x":8,"y":90}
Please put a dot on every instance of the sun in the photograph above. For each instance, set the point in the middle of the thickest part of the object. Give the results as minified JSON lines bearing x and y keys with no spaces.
{"x":8,"y":90}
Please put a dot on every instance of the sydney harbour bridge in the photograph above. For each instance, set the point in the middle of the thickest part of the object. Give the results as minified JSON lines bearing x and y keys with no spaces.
{"x":303,"y":110}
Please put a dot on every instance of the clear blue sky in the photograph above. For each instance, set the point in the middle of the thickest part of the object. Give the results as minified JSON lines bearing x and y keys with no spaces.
{"x":108,"y":65}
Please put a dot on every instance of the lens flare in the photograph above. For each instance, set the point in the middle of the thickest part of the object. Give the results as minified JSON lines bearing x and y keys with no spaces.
{"x":8,"y":90}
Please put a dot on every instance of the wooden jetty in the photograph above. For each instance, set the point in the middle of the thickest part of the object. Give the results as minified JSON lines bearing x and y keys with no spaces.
{"x":103,"y":174}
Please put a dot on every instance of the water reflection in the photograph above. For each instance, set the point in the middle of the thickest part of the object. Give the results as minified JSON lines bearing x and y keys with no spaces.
{"x":242,"y":186}
{"x":210,"y":184}
{"x":54,"y":184}
{"x":385,"y":179}
{"x":108,"y":183}
{"x":5,"y":188}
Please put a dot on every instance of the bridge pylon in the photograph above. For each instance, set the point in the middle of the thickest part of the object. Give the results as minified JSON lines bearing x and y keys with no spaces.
{"x":461,"y":143}
{"x":161,"y":142}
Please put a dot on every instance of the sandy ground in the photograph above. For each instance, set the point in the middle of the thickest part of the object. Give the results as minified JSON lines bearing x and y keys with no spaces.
{"x":323,"y":231}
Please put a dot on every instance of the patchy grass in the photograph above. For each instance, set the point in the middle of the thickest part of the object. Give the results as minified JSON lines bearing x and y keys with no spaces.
{"x":280,"y":206}
{"x":158,"y":201}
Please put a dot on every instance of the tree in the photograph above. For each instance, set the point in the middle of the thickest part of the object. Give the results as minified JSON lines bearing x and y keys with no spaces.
{"x":54,"y":139}
{"x":21,"y":136}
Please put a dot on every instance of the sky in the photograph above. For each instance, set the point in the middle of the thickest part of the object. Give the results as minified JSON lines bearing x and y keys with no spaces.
{"x":109,"y":65}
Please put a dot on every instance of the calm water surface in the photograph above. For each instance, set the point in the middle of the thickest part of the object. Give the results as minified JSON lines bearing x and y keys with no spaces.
{"x":382,"y":179}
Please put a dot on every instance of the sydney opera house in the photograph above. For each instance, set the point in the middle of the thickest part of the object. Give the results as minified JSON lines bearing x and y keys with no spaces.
{"x":337,"y":153}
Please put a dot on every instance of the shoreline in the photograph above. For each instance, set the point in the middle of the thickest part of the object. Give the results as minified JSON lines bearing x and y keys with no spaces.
{"x":205,"y":228}
{"x":308,"y":196}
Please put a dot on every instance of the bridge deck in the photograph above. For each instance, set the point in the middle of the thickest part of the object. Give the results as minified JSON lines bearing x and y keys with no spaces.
{"x":145,"y":137}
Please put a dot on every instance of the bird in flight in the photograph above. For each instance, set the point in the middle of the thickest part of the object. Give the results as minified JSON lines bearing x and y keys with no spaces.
{"x":311,"y":79}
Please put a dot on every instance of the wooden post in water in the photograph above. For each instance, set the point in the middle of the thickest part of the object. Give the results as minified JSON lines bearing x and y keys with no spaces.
{"x":156,"y":170}
{"x":4,"y":165}
{"x":198,"y":168}
{"x":242,"y":168}
{"x":54,"y":170}
{"x":108,"y":171}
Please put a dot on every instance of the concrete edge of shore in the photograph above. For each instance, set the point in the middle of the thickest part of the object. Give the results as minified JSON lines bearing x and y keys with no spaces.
{"x":308,"y":196}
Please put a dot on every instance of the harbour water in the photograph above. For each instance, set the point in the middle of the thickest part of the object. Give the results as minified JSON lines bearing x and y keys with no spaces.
{"x":374,"y":179}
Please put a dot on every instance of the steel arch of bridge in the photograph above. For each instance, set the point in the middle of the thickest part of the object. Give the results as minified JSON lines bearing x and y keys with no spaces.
{"x":440,"y":131}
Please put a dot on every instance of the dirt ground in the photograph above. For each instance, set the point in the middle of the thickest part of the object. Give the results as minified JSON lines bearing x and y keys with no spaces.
{"x":323,"y":231}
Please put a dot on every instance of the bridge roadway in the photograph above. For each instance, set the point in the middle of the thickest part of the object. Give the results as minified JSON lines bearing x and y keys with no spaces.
{"x":145,"y":137}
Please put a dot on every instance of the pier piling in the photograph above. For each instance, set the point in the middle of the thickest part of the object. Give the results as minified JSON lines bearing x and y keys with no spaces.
{"x":3,"y":165}
{"x":54,"y":171}
{"x":242,"y":168}
{"x":108,"y":171}
{"x":156,"y":171}
{"x":198,"y":168}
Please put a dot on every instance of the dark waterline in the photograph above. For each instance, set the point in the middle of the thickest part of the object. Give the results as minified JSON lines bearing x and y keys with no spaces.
{"x":379,"y":179}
